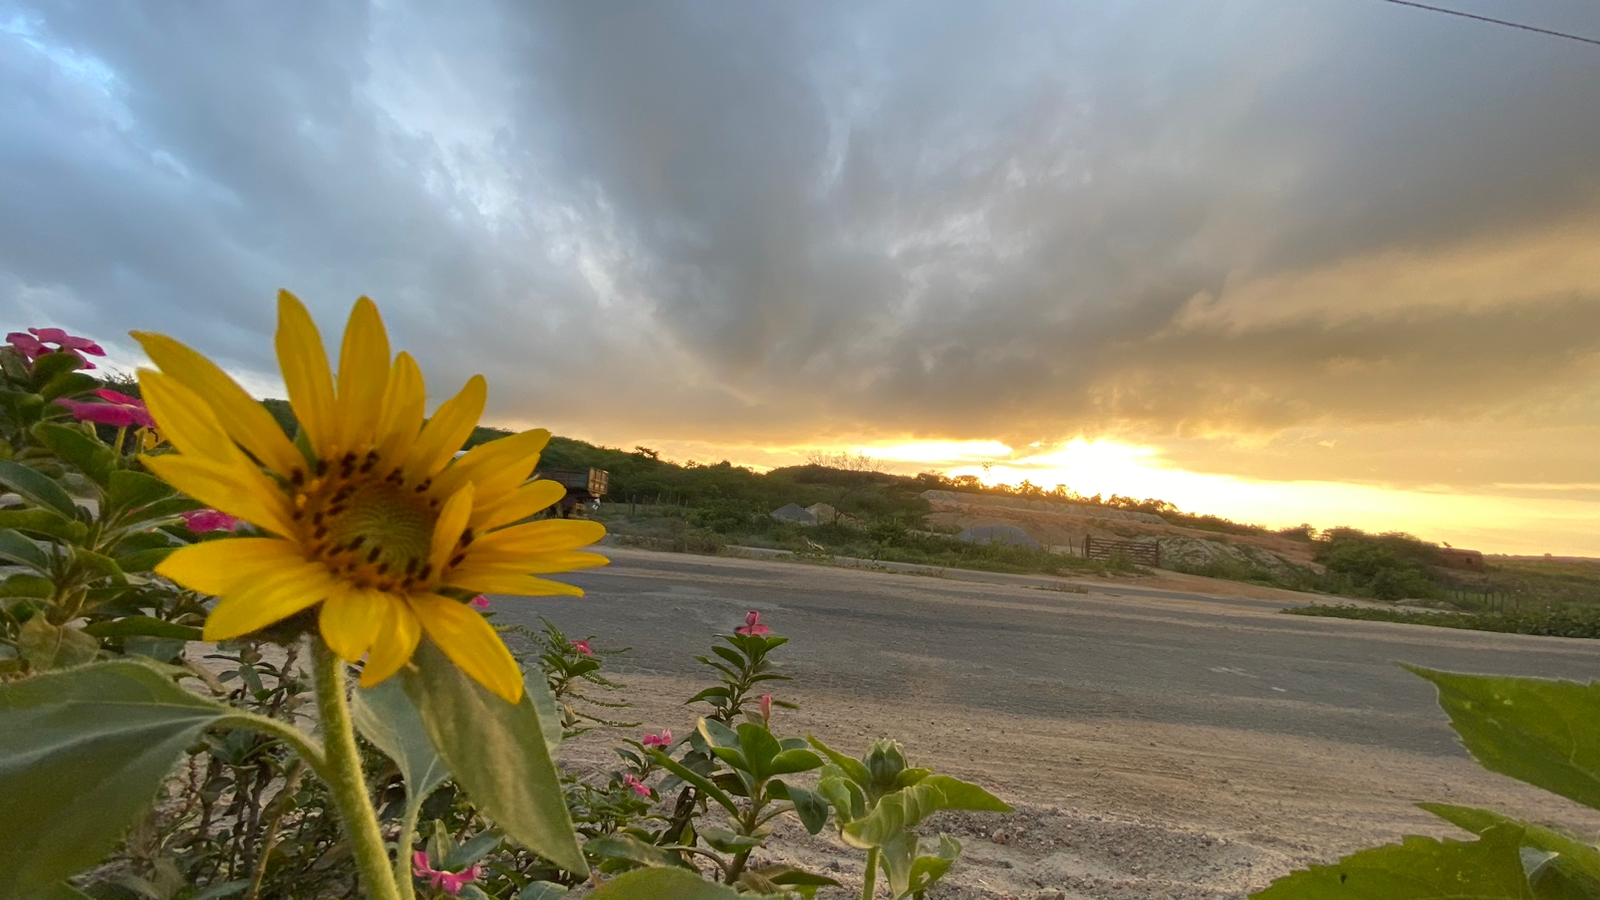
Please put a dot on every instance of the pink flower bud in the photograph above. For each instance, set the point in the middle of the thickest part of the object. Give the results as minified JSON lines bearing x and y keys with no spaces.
{"x":752,"y":625}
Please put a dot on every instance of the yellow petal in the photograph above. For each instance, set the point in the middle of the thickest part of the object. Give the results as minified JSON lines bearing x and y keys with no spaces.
{"x":486,"y":564}
{"x":351,"y":619}
{"x":245,"y":419}
{"x":447,"y":530}
{"x":394,"y":645}
{"x":449,"y":428}
{"x":305,"y":373}
{"x":273,"y":598}
{"x":238,"y":490}
{"x":217,"y":567}
{"x":470,"y":643}
{"x":522,"y":503}
{"x":404,"y":400}
{"x":186,"y":420}
{"x":502,"y":582}
{"x":363,"y":375}
{"x":542,"y":536}
{"x":495,"y":467}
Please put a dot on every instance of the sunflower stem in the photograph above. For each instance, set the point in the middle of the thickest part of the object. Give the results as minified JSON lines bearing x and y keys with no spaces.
{"x":869,"y":878}
{"x":402,"y":849}
{"x":342,"y":772}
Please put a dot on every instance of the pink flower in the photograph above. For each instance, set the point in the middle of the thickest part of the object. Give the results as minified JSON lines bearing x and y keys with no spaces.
{"x":451,"y":882}
{"x":637,"y":785}
{"x":64,"y":341}
{"x":582,"y":647}
{"x":480,"y":603}
{"x":664,"y":739}
{"x":766,"y":709}
{"x":124,"y":412}
{"x":201,"y":521}
{"x":27,"y":345}
{"x":33,"y":347}
{"x":752,"y":625}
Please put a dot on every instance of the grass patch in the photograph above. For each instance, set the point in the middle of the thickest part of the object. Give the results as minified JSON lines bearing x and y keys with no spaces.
{"x":1582,"y":623}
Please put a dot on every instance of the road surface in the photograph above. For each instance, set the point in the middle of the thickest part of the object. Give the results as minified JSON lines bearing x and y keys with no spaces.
{"x":1017,"y":648}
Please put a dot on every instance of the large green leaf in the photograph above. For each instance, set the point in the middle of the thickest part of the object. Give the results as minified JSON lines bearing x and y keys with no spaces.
{"x":702,"y":783}
{"x":385,"y":716}
{"x":82,"y":754}
{"x":812,"y":808}
{"x":629,"y":848}
{"x":143,"y":626}
{"x":907,"y":873}
{"x":1577,"y":861}
{"x":46,"y":646}
{"x":1546,"y":733}
{"x":131,"y":490}
{"x":19,"y":549}
{"x":665,"y":884}
{"x":497,"y":752}
{"x":40,"y":520}
{"x":91,"y":457}
{"x":1418,"y":868}
{"x":543,"y":890}
{"x":37,"y":487}
{"x":903,"y":809}
{"x":544,"y":703}
{"x":853,"y":768}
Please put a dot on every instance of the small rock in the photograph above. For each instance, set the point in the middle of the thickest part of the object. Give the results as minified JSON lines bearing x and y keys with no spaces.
{"x":1000,"y":836}
{"x":1050,"y":895}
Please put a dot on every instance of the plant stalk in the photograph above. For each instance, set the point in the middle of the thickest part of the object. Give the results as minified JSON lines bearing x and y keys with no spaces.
{"x":342,"y":772}
{"x":869,"y":878}
{"x":403,"y":842}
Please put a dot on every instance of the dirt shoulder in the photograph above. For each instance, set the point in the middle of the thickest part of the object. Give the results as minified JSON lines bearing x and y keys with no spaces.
{"x":1112,"y":809}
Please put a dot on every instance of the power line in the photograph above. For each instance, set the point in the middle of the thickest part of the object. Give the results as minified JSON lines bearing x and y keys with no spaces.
{"x":1467,"y":15}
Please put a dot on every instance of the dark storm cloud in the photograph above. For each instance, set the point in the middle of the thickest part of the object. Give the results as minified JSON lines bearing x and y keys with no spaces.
{"x":778,"y":220}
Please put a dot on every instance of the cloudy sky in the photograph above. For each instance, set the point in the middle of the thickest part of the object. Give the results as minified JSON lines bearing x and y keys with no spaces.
{"x":1329,"y":260}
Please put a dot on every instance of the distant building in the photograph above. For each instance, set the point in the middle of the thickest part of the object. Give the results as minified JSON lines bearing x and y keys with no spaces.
{"x":795,"y":513}
{"x":1455,"y":558}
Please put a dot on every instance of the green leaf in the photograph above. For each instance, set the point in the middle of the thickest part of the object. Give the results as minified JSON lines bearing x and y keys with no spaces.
{"x":845,"y":796}
{"x":98,"y":563}
{"x":543,"y":890}
{"x":27,"y":586}
{"x":1578,"y":860}
{"x":46,"y":646}
{"x":789,"y":875}
{"x":854,"y":769}
{"x":727,"y":840}
{"x":790,"y":761}
{"x":480,"y":845}
{"x":695,"y":778}
{"x":161,"y":509}
{"x":664,"y":884}
{"x":760,"y":749}
{"x":40,"y":520}
{"x":52,"y":365}
{"x":497,"y":752}
{"x":903,"y":809}
{"x":143,"y":560}
{"x":148,"y":626}
{"x":82,"y":754}
{"x":810,"y":807}
{"x":928,"y":869}
{"x":130,"y":490}
{"x":17,"y":548}
{"x":538,"y":689}
{"x":87,"y":454}
{"x":67,"y":384}
{"x":37,"y":488}
{"x":1546,"y":733}
{"x":631,"y":849}
{"x":385,"y":716}
{"x":1418,"y":868}
{"x":61,"y":891}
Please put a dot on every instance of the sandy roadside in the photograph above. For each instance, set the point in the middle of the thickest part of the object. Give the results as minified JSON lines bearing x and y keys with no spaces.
{"x":1112,"y":809}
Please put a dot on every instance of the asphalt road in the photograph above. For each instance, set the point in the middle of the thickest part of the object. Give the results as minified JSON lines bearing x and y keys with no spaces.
{"x":1017,"y":648}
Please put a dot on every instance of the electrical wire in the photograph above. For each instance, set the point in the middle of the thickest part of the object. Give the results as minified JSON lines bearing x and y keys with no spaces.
{"x":1467,"y":15}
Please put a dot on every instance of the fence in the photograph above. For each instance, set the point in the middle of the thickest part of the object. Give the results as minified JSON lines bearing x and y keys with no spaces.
{"x":1143,"y":552}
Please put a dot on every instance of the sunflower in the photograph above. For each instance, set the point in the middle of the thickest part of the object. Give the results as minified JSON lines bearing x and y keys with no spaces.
{"x":369,"y":515}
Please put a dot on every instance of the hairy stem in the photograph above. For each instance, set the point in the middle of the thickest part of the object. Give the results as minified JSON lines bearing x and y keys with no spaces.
{"x":342,"y":772}
{"x":403,"y":843}
{"x":869,"y":878}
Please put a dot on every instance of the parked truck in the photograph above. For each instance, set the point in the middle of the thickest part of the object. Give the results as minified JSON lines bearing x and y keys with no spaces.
{"x":584,"y":487}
